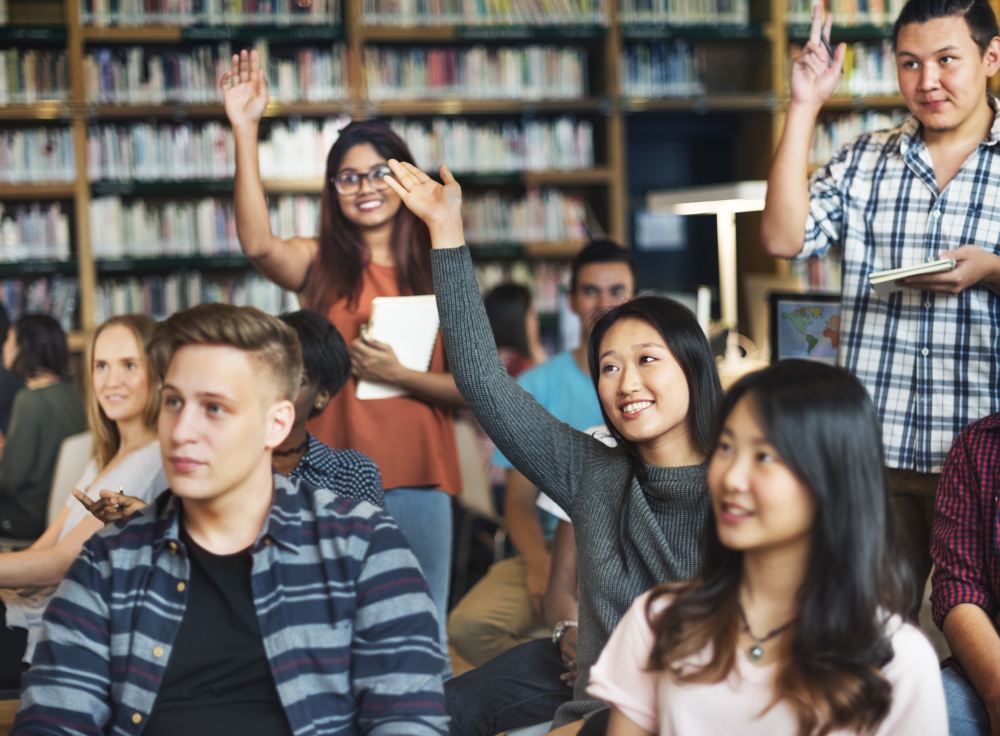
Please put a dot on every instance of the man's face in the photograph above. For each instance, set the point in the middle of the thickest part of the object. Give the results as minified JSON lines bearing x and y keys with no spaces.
{"x":600,"y":286}
{"x":942,"y":73}
{"x":219,"y":419}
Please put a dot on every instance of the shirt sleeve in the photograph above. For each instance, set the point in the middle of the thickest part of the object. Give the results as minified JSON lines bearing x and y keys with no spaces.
{"x":67,"y":690}
{"x":918,"y":704}
{"x":957,"y":547}
{"x":396,"y":659}
{"x":550,"y":454}
{"x":826,"y":206}
{"x":620,"y":677}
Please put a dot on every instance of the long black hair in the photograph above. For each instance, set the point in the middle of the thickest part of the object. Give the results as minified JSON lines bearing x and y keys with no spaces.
{"x":824,"y":428}
{"x":686,"y":341}
{"x":507,"y":306}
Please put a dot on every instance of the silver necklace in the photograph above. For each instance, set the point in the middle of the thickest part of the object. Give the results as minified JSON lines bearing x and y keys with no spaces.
{"x":756,"y":651}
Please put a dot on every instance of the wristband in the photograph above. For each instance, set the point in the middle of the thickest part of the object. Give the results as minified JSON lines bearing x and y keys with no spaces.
{"x":560,"y":629}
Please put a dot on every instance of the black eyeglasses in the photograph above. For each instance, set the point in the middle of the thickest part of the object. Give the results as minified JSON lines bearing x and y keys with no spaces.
{"x":349,"y":181}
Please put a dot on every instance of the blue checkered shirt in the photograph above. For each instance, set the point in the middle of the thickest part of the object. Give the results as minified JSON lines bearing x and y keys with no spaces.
{"x":345,"y":472}
{"x":931,"y":362}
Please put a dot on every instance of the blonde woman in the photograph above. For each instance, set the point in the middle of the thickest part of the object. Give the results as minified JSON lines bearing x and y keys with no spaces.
{"x":122,"y":411}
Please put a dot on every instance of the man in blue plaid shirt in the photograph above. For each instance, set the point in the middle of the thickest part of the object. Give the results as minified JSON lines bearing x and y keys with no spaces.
{"x":928,"y":188}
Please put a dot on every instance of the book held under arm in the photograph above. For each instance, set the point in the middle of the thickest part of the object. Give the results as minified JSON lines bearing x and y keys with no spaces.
{"x":888,"y":281}
{"x":409,"y":325}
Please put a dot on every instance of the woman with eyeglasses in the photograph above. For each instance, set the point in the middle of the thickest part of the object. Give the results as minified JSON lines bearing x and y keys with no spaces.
{"x":368,"y":246}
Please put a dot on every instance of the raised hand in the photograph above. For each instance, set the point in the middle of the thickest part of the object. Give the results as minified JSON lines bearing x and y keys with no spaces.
{"x":244,"y":89}
{"x":815,"y":72}
{"x":438,"y":205}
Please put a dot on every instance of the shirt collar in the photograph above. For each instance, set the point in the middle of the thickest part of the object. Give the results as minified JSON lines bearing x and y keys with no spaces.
{"x":909,"y":131}
{"x":283,"y":524}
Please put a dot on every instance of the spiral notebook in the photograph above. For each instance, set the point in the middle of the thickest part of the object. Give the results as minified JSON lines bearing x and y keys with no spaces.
{"x":410,"y":325}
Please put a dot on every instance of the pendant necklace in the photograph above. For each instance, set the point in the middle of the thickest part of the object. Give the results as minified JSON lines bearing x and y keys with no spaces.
{"x":756,"y":651}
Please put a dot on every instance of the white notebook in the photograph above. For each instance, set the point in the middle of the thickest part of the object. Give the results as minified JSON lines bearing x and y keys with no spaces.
{"x":410,"y":325}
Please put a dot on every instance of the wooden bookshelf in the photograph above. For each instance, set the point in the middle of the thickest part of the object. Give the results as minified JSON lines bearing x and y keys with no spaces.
{"x":763,"y":42}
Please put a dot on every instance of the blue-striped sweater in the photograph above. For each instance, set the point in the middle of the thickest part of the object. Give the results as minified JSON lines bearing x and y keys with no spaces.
{"x":348,"y":626}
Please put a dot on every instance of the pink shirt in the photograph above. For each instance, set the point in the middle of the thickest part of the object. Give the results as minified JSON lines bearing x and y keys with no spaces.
{"x":659,"y":705}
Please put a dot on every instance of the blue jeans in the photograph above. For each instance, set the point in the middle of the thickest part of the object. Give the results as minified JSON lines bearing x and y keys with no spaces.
{"x":518,"y":688}
{"x":424,"y":517}
{"x":966,"y":714}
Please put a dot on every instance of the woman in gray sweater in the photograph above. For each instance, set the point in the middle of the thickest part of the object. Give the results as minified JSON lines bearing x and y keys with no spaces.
{"x":638,"y":509}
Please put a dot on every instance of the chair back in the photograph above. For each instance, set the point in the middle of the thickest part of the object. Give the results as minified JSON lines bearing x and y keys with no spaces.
{"x":74,"y":454}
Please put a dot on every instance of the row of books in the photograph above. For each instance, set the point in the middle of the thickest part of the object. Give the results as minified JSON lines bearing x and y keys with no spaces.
{"x":30,"y":75}
{"x":564,"y":143}
{"x":4,"y":13}
{"x":137,"y":75}
{"x":541,"y":215}
{"x":834,"y":133}
{"x":523,"y":73}
{"x":160,"y":296}
{"x":546,"y":279}
{"x":149,"y":228}
{"x":869,"y":69}
{"x":36,"y":155}
{"x":680,"y":12}
{"x":53,"y":295}
{"x":482,"y":12}
{"x":849,"y":12}
{"x":213,"y":12}
{"x":660,"y":69}
{"x":144,"y":228}
{"x":160,"y":151}
{"x":30,"y":231}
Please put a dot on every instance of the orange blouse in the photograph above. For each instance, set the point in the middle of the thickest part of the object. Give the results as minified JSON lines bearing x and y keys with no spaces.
{"x":412,"y":442}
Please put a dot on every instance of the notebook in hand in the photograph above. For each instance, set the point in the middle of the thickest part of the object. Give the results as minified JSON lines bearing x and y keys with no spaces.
{"x":886,"y":282}
{"x":409,"y":324}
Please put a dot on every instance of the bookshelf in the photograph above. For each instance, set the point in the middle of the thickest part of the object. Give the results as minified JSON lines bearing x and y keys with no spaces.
{"x":532,"y":111}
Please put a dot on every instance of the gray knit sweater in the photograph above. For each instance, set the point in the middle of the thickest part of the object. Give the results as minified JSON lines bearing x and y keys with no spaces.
{"x":581,"y":474}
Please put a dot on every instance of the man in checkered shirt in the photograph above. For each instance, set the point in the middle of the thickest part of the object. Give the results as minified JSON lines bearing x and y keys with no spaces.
{"x":930,"y":187}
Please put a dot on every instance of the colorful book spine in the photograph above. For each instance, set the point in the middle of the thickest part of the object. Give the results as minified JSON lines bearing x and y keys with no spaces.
{"x":685,"y":12}
{"x":660,"y":69}
{"x":33,"y":231}
{"x":36,"y":155}
{"x":104,"y":13}
{"x":483,"y":13}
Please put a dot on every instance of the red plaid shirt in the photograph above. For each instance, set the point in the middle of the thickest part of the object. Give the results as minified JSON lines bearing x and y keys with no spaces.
{"x":966,"y":536}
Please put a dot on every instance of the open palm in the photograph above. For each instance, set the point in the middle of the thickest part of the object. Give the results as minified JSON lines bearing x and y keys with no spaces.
{"x":244,"y":89}
{"x":433,"y":202}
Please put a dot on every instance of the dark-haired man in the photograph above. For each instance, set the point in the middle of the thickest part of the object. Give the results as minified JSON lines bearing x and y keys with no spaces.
{"x":240,"y":601}
{"x":927,"y":188}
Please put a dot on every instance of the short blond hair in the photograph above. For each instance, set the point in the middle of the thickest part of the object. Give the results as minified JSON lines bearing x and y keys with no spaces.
{"x":268,"y":340}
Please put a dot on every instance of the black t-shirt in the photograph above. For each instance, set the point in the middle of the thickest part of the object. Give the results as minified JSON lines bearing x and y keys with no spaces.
{"x":218,"y":680}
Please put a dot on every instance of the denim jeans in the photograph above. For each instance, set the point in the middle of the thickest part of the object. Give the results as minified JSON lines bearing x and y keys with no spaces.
{"x":518,"y":688}
{"x":966,"y":714}
{"x":424,"y":517}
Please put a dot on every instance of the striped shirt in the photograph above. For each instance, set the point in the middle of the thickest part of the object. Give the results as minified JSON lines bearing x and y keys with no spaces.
{"x":929,"y":360}
{"x":348,"y":627}
{"x":345,"y":472}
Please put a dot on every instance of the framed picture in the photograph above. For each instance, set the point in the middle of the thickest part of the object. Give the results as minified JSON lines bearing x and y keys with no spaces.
{"x":804,"y":326}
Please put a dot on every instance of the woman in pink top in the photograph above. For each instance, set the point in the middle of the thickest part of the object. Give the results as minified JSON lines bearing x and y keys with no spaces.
{"x":794,"y":625}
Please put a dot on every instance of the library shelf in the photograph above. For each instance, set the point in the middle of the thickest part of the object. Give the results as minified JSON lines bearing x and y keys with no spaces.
{"x":32,"y":34}
{"x":864,"y":103}
{"x":43,"y":190}
{"x":195,"y":33}
{"x":40,"y":110}
{"x":470,"y":106}
{"x":37,"y":268}
{"x":471,"y":33}
{"x":167,"y":264}
{"x":860,"y":32}
{"x":751,"y":102}
{"x":660,"y":30}
{"x":180,"y":111}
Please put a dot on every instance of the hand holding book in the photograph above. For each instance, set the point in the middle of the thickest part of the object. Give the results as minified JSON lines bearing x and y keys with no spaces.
{"x":974,"y":266}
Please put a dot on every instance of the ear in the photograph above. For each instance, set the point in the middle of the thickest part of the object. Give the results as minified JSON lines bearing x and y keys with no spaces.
{"x":992,"y":57}
{"x":280,"y":418}
{"x":321,"y":399}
